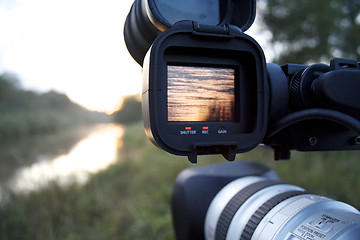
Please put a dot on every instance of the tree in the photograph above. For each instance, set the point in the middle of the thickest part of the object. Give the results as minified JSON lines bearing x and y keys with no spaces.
{"x":129,"y":112}
{"x":312,"y":31}
{"x":9,"y":88}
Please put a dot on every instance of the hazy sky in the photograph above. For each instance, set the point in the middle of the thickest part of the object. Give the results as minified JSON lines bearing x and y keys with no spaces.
{"x":72,"y":46}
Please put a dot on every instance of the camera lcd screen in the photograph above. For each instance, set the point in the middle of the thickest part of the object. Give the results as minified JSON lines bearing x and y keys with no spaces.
{"x":199,"y":94}
{"x":201,"y":11}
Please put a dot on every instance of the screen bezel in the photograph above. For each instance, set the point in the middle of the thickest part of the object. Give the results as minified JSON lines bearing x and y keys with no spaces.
{"x":180,"y":45}
{"x":245,"y":91}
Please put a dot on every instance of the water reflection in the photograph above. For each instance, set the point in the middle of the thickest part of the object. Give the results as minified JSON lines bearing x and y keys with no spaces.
{"x":90,"y":155}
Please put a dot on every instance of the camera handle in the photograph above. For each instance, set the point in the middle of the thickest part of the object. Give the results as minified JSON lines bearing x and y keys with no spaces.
{"x":312,"y":94}
{"x":311,"y":114}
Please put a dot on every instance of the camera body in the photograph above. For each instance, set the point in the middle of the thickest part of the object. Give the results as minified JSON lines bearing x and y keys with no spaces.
{"x":207,"y":89}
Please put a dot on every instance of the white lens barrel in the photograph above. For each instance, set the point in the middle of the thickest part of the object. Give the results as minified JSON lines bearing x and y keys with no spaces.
{"x":258,"y":208}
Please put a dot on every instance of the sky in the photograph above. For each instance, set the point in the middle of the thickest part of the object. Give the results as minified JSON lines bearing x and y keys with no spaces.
{"x":74,"y":47}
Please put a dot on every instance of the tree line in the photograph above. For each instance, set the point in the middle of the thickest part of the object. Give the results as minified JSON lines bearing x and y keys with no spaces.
{"x":26,"y":113}
{"x":308,"y":31}
{"x":129,"y":110}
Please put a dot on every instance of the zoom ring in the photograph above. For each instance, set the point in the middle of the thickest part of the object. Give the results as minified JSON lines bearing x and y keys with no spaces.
{"x":235,"y":203}
{"x":258,"y":216}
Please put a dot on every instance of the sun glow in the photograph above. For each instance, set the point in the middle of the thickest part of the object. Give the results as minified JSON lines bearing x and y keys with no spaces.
{"x":74,"y":47}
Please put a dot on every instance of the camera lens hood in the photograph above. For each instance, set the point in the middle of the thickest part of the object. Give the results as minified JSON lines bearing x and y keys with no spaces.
{"x":148,"y":18}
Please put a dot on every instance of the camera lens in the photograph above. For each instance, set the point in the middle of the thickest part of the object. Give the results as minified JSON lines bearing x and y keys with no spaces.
{"x":139,"y":31}
{"x":258,"y":208}
{"x":148,"y":18}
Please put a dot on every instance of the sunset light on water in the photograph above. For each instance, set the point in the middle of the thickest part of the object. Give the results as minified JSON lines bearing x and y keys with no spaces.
{"x":200,"y":94}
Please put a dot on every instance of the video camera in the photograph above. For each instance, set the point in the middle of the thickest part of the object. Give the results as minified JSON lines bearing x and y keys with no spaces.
{"x":207,"y":89}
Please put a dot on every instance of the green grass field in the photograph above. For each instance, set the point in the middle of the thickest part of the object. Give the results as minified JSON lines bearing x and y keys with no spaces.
{"x":130,"y":200}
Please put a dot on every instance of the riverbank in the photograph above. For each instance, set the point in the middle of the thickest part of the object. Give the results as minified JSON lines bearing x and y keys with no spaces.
{"x":92,"y":152}
{"x":130,"y":199}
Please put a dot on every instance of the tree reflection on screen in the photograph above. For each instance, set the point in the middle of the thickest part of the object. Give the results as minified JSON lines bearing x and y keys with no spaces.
{"x":200,"y":94}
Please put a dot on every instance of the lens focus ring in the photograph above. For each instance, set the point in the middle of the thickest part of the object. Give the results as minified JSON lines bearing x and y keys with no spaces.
{"x":263,"y":210}
{"x":235,"y":203}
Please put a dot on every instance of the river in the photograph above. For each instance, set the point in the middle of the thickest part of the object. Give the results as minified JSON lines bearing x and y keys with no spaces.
{"x":73,"y":154}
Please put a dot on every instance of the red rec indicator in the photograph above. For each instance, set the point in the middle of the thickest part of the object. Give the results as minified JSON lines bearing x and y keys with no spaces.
{"x":187,"y":128}
{"x":205,"y":128}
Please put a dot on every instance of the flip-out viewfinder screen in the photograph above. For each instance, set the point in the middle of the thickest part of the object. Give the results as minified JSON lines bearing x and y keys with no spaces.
{"x":197,"y":93}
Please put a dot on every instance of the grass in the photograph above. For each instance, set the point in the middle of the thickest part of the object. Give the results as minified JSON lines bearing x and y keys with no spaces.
{"x":130,"y":199}
{"x":332,"y":174}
